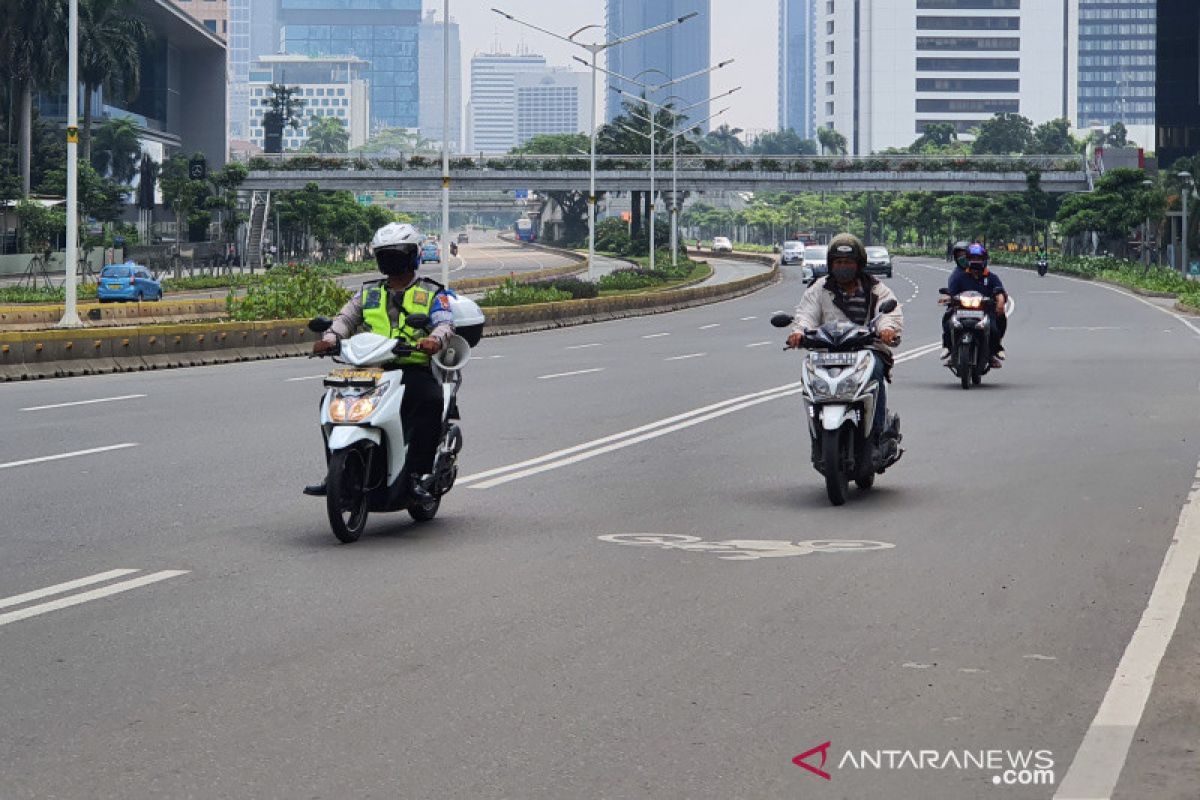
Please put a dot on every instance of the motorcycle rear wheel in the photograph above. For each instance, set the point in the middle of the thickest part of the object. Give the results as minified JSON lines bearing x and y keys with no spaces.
{"x":836,"y":481}
{"x":345,"y":497}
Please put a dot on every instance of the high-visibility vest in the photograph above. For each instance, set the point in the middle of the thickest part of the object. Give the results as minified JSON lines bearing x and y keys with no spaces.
{"x":417,"y":299}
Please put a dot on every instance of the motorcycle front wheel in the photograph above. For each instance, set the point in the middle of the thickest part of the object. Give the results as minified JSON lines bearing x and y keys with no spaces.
{"x":836,"y":481}
{"x":423,"y":512}
{"x":346,"y":497}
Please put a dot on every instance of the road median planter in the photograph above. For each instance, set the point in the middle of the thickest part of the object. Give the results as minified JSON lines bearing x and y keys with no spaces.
{"x":101,"y":315}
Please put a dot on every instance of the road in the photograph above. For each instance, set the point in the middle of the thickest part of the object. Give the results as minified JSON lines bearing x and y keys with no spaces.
{"x":529,"y":644}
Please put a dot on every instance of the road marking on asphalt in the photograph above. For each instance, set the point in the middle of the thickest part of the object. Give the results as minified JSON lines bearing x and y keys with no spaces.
{"x":307,"y":378}
{"x":1086,"y":328}
{"x":747,"y":319}
{"x":583,"y":346}
{"x":758,"y":344}
{"x":94,"y":594}
{"x":568,"y":374}
{"x":88,"y":452}
{"x":59,"y":588}
{"x":1046,"y":291}
{"x":713,"y":325}
{"x":744,"y":549}
{"x":586,"y":450}
{"x":1097,"y":765}
{"x":85,"y":402}
{"x":689,"y":355}
{"x":916,"y":288}
{"x":655,"y":335}
{"x":462,"y":264}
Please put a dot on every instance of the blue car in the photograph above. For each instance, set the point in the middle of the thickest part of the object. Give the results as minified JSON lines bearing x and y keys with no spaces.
{"x":128,"y":281}
{"x":431,"y":252}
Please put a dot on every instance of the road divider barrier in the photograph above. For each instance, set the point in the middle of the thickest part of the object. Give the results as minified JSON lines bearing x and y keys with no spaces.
{"x":101,"y":315}
{"x":32,"y":354}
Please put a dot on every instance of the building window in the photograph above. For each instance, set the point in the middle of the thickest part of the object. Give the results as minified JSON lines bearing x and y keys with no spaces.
{"x":968,"y":23}
{"x":829,"y":28}
{"x":963,"y":106}
{"x":829,"y":7}
{"x":968,"y":85}
{"x":211,"y":24}
{"x":970,"y":4}
{"x":968,"y":44}
{"x":829,"y":109}
{"x":341,"y":92}
{"x":829,"y":48}
{"x":829,"y":87}
{"x":968,"y":65}
{"x":828,"y":67}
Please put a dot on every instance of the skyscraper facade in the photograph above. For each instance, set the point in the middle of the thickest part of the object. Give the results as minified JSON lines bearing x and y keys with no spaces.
{"x":880,"y":86}
{"x":330,"y":86}
{"x":796,"y":66}
{"x":492,"y":109}
{"x":382,"y":32}
{"x":1178,"y":87}
{"x":430,"y":79}
{"x":662,"y":56}
{"x":551,"y":101}
{"x":1116,"y":65}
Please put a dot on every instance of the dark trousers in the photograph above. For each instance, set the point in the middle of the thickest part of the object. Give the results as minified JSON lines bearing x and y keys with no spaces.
{"x":421,"y":410}
{"x":879,"y":375}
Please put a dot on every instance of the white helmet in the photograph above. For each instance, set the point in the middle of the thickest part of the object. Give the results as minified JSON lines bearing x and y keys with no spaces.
{"x":395,"y":234}
{"x":397,"y":248}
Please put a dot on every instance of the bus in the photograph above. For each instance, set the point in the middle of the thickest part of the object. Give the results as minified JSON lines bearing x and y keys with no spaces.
{"x":524,"y":230}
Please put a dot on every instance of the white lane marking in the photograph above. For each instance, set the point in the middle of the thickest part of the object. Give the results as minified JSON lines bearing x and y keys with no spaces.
{"x":307,"y":378}
{"x":583,"y":346}
{"x":94,"y":594}
{"x":930,"y":266}
{"x":568,"y":374}
{"x":713,"y":325}
{"x":660,"y":427}
{"x":68,"y":455}
{"x":1046,"y":291}
{"x":85,"y":402}
{"x":1086,"y":328}
{"x":1097,"y":765}
{"x":689,"y":355}
{"x":59,"y":588}
{"x":744,"y":549}
{"x":462,"y":264}
{"x":746,"y":319}
{"x":916,"y":288}
{"x":655,"y":335}
{"x":759,"y":344}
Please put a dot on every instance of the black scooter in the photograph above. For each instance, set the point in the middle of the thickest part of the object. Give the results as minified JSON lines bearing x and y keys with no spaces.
{"x":970,"y":336}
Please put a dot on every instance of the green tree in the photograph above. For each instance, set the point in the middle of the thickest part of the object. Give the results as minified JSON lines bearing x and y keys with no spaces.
{"x":100,"y":198}
{"x":116,"y":149}
{"x":1004,"y":134}
{"x":186,"y":197}
{"x":397,"y":142}
{"x":1117,"y":136}
{"x":33,"y":56}
{"x":41,"y":228}
{"x":936,"y":135}
{"x":1053,"y":138}
{"x":571,"y":204}
{"x":831,"y":141}
{"x":555,"y":144}
{"x":783,"y":143}
{"x":1116,"y":207}
{"x":723,"y":141}
{"x":110,"y":44}
{"x":327,"y":135}
{"x":284,"y":103}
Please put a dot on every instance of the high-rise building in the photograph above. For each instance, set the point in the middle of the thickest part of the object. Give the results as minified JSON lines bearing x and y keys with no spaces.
{"x":551,"y":101}
{"x":659,"y":57}
{"x":430,"y":50}
{"x":1116,"y":65}
{"x":879,"y":86}
{"x":492,"y":109}
{"x":1178,"y":87}
{"x":213,"y":14}
{"x":382,"y":32}
{"x":331,"y":86}
{"x":796,"y":66}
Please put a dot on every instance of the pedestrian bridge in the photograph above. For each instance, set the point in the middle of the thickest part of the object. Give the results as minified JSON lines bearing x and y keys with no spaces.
{"x":990,"y":174}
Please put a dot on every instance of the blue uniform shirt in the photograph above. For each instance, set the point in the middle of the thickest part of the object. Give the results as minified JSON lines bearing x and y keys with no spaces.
{"x":961,"y":281}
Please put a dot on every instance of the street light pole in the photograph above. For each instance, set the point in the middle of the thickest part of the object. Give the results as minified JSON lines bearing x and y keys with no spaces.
{"x":594,"y":49}
{"x":1148,"y":184}
{"x":70,"y":318}
{"x":445,"y":248}
{"x":1186,"y":179}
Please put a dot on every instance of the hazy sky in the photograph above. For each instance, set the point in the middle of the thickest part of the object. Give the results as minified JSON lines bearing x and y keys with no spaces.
{"x":746,"y":30}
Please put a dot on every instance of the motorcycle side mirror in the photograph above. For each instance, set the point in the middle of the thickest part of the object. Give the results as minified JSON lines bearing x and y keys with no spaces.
{"x":418,"y":321}
{"x":888,"y":306}
{"x":943,"y":290}
{"x":320,"y":324}
{"x":782,"y":320}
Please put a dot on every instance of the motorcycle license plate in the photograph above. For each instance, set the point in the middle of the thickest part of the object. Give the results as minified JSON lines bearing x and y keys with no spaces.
{"x":835,"y":359}
{"x":964,"y":314}
{"x":353,"y":377}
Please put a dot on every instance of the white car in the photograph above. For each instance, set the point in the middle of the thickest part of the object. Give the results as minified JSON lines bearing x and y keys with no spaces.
{"x":815,"y":265}
{"x":793,"y":253}
{"x":722,"y":244}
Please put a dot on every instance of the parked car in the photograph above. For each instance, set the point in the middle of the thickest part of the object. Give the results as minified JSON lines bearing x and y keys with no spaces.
{"x":879,"y":261}
{"x":128,"y":281}
{"x":815,"y":265}
{"x":462,"y":238}
{"x":431,"y":252}
{"x":722,"y":244}
{"x":793,"y":253}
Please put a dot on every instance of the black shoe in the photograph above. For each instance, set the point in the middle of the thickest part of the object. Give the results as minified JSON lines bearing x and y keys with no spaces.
{"x":417,"y":490}
{"x":315,"y":489}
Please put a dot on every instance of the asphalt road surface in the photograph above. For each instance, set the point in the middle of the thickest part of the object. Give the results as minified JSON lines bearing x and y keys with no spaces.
{"x":637,"y":590}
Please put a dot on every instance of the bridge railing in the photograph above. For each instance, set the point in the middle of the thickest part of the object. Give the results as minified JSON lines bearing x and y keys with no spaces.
{"x":308,"y":162}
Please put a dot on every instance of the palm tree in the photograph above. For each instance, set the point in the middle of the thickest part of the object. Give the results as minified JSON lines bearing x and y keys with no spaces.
{"x":327,"y":135}
{"x":117,"y":149}
{"x":285,"y":103}
{"x":110,"y":42}
{"x":32,"y":51}
{"x":723,"y":141}
{"x":831,"y":141}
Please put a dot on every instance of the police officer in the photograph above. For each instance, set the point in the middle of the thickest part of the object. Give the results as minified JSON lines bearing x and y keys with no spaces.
{"x":382,"y":306}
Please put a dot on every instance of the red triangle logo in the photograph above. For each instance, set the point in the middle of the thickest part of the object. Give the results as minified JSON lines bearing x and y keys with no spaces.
{"x":823,"y":750}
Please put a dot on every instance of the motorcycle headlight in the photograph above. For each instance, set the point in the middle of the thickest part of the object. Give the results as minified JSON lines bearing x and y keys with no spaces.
{"x":971,"y":302}
{"x":818,"y":387}
{"x":355,"y":408}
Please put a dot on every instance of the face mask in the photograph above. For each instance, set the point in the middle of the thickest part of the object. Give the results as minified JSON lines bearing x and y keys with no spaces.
{"x":844,"y":274}
{"x":961,"y":261}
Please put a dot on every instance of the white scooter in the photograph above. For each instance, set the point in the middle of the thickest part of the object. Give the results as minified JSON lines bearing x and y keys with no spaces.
{"x":840,"y":396}
{"x":364,"y":431}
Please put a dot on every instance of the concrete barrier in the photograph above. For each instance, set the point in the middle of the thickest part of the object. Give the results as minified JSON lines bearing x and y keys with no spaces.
{"x":41,"y":317}
{"x":12,"y":356}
